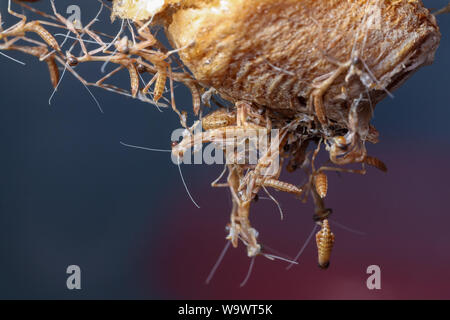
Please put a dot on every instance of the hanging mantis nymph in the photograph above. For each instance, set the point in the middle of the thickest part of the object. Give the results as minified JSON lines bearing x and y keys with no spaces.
{"x":325,"y":243}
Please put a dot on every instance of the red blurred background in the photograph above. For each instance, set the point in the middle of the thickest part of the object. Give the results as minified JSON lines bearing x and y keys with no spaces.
{"x":403,"y":215}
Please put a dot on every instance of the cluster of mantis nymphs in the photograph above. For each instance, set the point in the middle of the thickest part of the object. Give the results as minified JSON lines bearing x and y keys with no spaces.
{"x":140,"y":54}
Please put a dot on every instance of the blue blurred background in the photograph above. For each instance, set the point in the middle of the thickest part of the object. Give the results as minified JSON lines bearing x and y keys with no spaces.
{"x":71,"y":194}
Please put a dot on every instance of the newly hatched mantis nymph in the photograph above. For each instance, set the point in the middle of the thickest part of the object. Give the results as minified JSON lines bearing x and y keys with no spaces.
{"x":325,"y":242}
